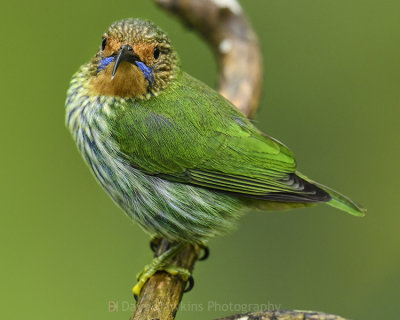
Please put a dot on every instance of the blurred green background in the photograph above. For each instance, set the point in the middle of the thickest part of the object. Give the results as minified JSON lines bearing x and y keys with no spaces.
{"x":331,"y":93}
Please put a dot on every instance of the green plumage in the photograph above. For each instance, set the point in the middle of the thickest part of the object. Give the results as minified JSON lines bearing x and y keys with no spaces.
{"x":199,"y":135}
{"x":182,"y":160}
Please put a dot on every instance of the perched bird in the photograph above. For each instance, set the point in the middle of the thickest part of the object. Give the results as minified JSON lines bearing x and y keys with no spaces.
{"x":176,"y":156}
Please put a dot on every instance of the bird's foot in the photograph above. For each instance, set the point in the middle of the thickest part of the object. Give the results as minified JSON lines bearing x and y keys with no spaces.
{"x":162,"y":263}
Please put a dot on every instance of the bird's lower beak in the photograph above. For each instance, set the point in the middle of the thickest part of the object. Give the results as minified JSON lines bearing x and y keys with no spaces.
{"x":125,"y":54}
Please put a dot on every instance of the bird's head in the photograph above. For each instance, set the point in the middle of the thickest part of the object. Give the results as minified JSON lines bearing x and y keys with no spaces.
{"x":135,"y":60}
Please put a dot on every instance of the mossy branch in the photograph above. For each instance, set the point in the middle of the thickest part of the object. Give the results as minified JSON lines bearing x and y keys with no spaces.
{"x":284,"y":315}
{"x":226,"y":29}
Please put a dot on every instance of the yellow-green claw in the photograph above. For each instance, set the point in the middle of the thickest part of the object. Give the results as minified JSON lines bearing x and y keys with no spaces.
{"x":161,"y":263}
{"x":146,"y":274}
{"x":138,"y":288}
{"x":178,"y":271}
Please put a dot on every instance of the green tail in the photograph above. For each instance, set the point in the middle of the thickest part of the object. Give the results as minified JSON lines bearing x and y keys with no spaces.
{"x":338,"y":200}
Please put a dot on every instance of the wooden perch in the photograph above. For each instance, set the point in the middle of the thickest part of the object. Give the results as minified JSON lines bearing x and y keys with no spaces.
{"x":225,"y":28}
{"x":161,"y":295}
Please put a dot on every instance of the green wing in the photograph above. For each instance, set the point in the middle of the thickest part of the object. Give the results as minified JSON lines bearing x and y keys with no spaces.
{"x":190,"y":134}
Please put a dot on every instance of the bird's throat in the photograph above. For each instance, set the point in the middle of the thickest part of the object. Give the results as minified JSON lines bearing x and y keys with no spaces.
{"x":129,"y":82}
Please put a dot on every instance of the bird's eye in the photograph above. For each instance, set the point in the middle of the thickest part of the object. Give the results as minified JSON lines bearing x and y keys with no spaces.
{"x":156,"y":52}
{"x":103,"y":44}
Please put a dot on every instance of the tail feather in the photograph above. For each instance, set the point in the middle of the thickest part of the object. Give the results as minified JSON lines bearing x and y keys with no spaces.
{"x":338,"y":200}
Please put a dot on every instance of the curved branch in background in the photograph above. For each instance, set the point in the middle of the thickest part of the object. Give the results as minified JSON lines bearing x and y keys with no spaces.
{"x":225,"y":28}
{"x":227,"y":31}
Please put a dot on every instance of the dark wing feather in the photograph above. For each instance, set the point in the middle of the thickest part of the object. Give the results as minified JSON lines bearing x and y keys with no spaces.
{"x":291,"y":189}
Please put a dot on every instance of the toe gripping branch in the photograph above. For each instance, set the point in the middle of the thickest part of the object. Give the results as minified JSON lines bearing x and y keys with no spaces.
{"x":161,"y":263}
{"x":165,"y":253}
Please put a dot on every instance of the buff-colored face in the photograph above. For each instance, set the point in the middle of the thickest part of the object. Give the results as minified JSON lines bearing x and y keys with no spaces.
{"x":135,"y":59}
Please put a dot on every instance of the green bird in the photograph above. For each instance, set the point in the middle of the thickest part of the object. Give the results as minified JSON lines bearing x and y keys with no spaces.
{"x":175,"y":155}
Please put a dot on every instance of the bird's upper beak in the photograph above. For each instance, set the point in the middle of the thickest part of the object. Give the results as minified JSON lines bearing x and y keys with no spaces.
{"x":125,"y":54}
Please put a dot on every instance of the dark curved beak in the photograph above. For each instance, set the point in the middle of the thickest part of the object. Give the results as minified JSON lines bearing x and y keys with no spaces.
{"x":125,"y":54}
